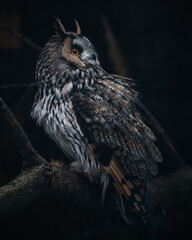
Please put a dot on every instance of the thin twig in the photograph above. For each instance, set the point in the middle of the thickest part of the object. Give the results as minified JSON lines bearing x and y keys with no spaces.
{"x":162,"y":132}
{"x":18,"y":85}
{"x":19,"y":136}
{"x":113,"y":47}
{"x":21,"y":37}
{"x":114,"y":52}
{"x":26,"y":94}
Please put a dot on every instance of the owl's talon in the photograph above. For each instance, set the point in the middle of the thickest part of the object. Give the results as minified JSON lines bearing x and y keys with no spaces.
{"x":76,"y":166}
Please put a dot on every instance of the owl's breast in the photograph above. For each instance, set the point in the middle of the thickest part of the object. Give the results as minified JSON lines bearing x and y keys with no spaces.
{"x":59,"y":121}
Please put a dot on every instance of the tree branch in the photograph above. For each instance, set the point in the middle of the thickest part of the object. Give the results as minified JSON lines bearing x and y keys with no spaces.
{"x":153,"y":121}
{"x":18,"y":135}
{"x":23,"y":191}
{"x":41,"y":179}
{"x":21,"y":37}
{"x":35,"y":183}
{"x":172,"y":189}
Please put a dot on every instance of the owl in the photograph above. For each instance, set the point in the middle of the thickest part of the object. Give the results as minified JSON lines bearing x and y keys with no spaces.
{"x":93,"y":117}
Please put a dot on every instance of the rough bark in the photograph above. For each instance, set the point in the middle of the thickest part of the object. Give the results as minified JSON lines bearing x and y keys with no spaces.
{"x":39,"y":178}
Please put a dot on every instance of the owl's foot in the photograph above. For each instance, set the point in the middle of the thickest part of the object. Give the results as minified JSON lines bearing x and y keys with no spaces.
{"x":58,"y":163}
{"x":76,"y":166}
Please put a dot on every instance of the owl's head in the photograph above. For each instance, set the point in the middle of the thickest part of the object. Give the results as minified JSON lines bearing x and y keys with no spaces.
{"x":74,"y":48}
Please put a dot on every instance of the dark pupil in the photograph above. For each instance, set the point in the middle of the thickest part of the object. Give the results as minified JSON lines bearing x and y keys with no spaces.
{"x":75,"y":51}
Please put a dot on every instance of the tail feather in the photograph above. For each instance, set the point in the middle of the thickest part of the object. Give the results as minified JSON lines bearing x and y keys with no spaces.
{"x":134,"y":199}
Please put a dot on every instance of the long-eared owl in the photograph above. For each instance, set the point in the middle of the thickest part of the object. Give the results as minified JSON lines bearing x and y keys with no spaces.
{"x":93,"y":117}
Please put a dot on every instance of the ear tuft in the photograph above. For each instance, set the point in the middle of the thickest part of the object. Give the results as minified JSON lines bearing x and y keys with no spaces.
{"x":60,"y":30}
{"x":77,"y":27}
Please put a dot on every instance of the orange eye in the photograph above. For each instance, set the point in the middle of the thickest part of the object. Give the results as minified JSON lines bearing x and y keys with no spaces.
{"x":75,"y":51}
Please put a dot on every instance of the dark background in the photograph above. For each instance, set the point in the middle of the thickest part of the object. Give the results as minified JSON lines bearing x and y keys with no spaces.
{"x":154,"y":38}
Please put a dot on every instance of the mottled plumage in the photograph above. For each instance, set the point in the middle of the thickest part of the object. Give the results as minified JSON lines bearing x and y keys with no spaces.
{"x":92,"y":116}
